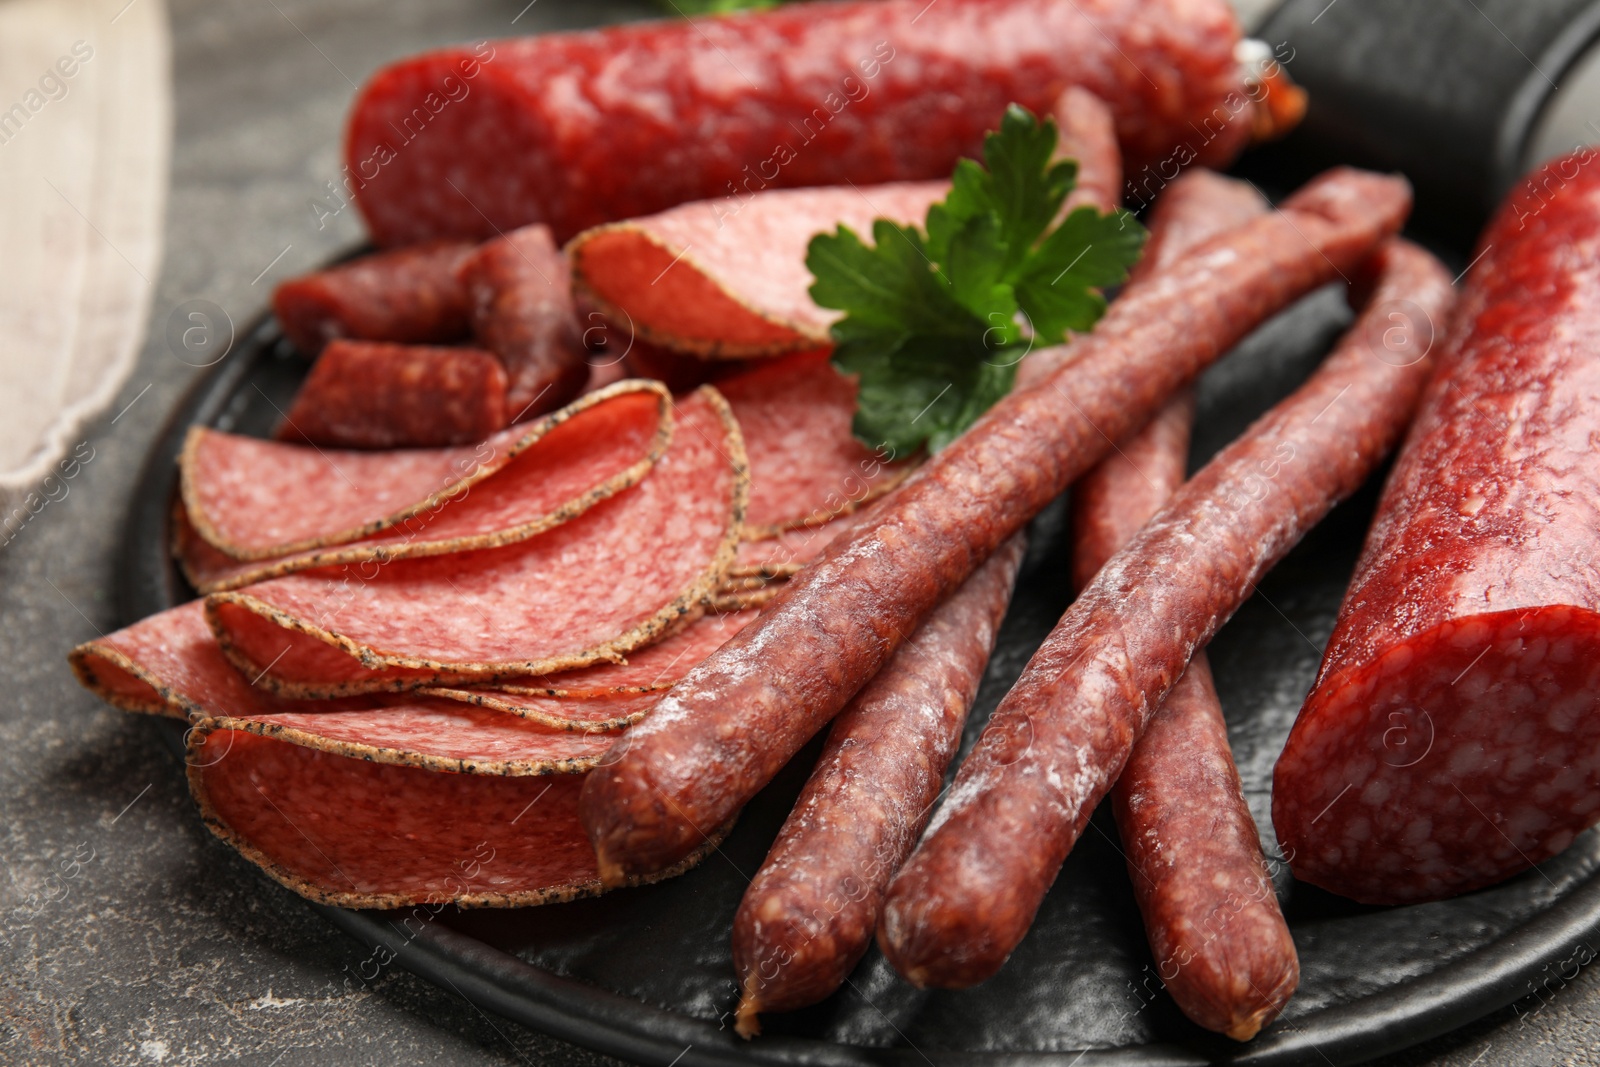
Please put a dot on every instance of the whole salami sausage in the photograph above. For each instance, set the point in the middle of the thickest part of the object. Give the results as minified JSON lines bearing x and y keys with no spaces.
{"x":1061,"y":736}
{"x":577,"y":129}
{"x":1221,"y":946}
{"x":810,"y":911}
{"x":729,"y":726}
{"x":1452,"y":737}
{"x":407,"y":295}
{"x":372,"y":394}
{"x":520,"y":295}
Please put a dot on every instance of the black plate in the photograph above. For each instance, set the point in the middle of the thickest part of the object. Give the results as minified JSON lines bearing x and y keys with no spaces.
{"x":645,"y":974}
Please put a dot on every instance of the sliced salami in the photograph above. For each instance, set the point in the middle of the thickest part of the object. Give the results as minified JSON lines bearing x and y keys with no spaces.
{"x":653,"y":667}
{"x":805,"y":465}
{"x":169,"y":664}
{"x":729,"y":281}
{"x":1452,"y":738}
{"x":361,"y":826}
{"x":587,"y":591}
{"x":365,"y":801}
{"x":537,"y":477}
{"x":604,"y":714}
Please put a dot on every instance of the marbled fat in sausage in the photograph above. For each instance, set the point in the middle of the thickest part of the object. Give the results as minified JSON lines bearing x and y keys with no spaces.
{"x":1452,"y":738}
{"x":578,"y":129}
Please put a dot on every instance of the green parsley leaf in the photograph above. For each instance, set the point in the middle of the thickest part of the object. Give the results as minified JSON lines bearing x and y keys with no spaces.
{"x":1059,"y":283}
{"x":936,"y":320}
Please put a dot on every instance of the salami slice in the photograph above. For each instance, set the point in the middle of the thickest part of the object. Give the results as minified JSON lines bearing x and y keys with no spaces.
{"x":520,"y":292}
{"x":729,"y":281}
{"x":805,"y":464}
{"x":587,"y":591}
{"x":365,"y":801}
{"x":1060,"y":738}
{"x":811,"y":909}
{"x":1452,"y":737}
{"x":748,"y":708}
{"x":362,"y":826}
{"x":438,"y":735}
{"x":543,"y":475}
{"x":374,"y":394}
{"x":653,"y":667}
{"x":169,"y":664}
{"x":727,"y":601}
{"x":406,"y":295}
{"x":605,"y":714}
{"x":578,"y":129}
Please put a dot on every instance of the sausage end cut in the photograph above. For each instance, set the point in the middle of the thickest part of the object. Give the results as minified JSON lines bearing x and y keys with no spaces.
{"x":1452,"y":738}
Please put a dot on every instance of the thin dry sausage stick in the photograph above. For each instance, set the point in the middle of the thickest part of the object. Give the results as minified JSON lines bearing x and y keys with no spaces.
{"x":722,"y":732}
{"x":810,"y":912}
{"x":1060,"y":738}
{"x":1221,"y":946}
{"x":1087,"y":133}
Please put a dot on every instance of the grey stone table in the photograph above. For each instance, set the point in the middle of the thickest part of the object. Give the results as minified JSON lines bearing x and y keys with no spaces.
{"x":127,"y":934}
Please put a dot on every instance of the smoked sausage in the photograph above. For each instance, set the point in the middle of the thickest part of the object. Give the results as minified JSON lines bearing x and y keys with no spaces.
{"x":1060,"y":738}
{"x":722,"y":732}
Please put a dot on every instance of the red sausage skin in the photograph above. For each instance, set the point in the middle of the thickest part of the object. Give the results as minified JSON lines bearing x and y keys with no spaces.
{"x":577,"y":129}
{"x":809,"y":914}
{"x":1453,"y":735}
{"x":1218,"y":938}
{"x":1060,"y":738}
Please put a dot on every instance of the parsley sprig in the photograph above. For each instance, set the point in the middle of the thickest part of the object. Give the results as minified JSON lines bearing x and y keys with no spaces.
{"x":937,"y":319}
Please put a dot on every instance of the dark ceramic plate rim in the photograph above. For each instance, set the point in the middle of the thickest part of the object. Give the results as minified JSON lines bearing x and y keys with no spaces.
{"x":1410,"y":1012}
